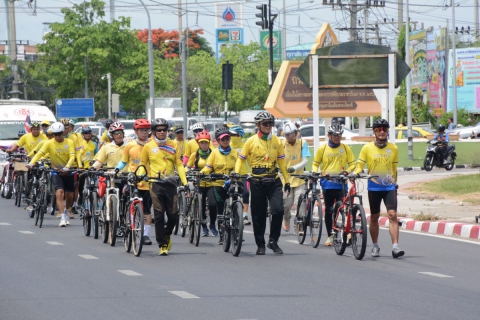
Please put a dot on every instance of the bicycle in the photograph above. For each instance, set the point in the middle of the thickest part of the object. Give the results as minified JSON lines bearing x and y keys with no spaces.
{"x":20,"y":174}
{"x":181,"y":205}
{"x":90,"y":209}
{"x":350,"y":218}
{"x":230,"y":222}
{"x":112,"y":205}
{"x":306,"y":215}
{"x":7,"y":180}
{"x":132,"y":218}
{"x":193,"y":219}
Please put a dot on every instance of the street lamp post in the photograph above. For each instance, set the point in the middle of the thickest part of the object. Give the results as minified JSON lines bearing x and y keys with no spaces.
{"x":199,"y":97}
{"x":181,"y":44}
{"x":150,"y":64}
{"x":109,"y":78}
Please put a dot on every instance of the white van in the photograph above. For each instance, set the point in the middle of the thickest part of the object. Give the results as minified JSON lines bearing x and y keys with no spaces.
{"x":13,"y":113}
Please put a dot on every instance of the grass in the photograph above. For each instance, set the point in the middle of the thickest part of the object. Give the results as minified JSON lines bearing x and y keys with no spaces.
{"x":425,"y":217}
{"x":462,"y":188}
{"x":467,"y":153}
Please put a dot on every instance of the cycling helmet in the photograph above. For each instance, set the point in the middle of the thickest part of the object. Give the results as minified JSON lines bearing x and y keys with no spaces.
{"x":71,"y":122}
{"x":203,"y":136}
{"x":35,"y":124}
{"x":380,"y":123}
{"x":178,"y":129}
{"x":86,"y":129}
{"x":237,"y":130}
{"x":57,"y":127}
{"x":64,"y":121}
{"x":116,"y":126}
{"x":108,"y":123}
{"x":335,"y":129}
{"x":141,"y":124}
{"x":49,"y":131}
{"x":221,"y":132}
{"x":441,"y":128}
{"x":289,"y":127}
{"x":264,"y":115}
{"x":198,"y":126}
{"x":158,"y":122}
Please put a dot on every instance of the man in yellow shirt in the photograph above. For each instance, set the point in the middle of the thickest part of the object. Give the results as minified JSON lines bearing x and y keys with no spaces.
{"x":265,"y":154}
{"x":62,"y":157}
{"x":111,"y":154}
{"x":106,"y":138}
{"x":45,"y":125}
{"x":180,"y":140}
{"x":30,"y":140}
{"x":381,"y":157}
{"x":131,"y":158}
{"x":333,"y":158}
{"x":88,"y":152}
{"x":296,"y":156}
{"x":162,"y":158}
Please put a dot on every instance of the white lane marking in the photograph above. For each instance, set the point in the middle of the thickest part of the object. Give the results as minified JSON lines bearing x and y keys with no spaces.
{"x":129,"y":273}
{"x":5,"y":224}
{"x":440,"y":236}
{"x":184,"y":294}
{"x":87,"y":256}
{"x":292,"y":241}
{"x":433,"y":274}
{"x":247,"y":231}
{"x":54,"y":243}
{"x":26,"y":232}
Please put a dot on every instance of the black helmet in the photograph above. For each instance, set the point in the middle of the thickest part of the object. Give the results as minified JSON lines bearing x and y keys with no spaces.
{"x":441,"y":128}
{"x":264,"y":115}
{"x":380,"y":123}
{"x":86,"y":129}
{"x":178,"y":128}
{"x":335,"y":128}
{"x":158,"y":122}
{"x":221,"y":131}
{"x":108,"y":123}
{"x":35,"y":124}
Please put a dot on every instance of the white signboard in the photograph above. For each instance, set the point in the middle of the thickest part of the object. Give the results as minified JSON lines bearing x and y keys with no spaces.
{"x":228,"y":15}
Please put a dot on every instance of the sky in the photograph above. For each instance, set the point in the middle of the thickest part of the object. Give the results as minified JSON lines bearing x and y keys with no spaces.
{"x":303,"y":17}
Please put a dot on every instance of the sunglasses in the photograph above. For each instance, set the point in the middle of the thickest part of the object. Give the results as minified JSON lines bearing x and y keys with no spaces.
{"x":116,"y":133}
{"x":179,"y":132}
{"x":161,"y":130}
{"x":267,"y":124}
{"x":381,"y":129}
{"x":336,"y":135}
{"x":225,"y":139}
{"x":197,"y":130}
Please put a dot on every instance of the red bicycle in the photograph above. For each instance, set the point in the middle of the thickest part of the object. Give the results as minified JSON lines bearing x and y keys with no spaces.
{"x":350,"y":222}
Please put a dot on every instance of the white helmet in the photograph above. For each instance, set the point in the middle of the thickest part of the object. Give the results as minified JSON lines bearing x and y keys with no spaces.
{"x":57,"y":127}
{"x":289,"y":127}
{"x":71,"y":122}
{"x":198,"y":126}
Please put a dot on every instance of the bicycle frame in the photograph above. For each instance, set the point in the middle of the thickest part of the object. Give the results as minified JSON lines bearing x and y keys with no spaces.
{"x":111,"y":191}
{"x":348,"y":200}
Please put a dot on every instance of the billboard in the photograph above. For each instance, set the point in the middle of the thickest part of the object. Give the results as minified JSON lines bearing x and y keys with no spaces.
{"x":228,"y":15}
{"x":418,"y":59}
{"x":467,"y":80}
{"x":75,"y":108}
{"x":276,"y":43}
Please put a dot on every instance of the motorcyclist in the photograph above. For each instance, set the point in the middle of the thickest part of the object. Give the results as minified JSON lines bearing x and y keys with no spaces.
{"x":443,"y":149}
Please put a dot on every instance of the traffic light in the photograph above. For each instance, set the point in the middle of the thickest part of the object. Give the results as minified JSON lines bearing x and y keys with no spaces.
{"x":263,"y":15}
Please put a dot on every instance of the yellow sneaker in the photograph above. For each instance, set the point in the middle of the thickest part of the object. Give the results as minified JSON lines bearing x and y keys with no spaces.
{"x":70,"y":214}
{"x":59,"y":215}
{"x":169,"y":245}
{"x":163,"y":250}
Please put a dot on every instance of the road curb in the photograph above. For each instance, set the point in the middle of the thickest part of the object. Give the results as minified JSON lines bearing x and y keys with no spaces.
{"x":458,"y":166}
{"x":444,"y":227}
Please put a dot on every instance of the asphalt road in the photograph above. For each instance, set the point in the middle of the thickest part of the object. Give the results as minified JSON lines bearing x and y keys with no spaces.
{"x":58,"y":273}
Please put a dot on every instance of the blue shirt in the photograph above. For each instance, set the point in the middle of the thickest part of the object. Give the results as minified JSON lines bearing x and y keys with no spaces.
{"x":440,"y":135}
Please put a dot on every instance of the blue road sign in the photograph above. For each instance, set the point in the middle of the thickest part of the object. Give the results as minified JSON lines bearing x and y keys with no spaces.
{"x":75,"y":108}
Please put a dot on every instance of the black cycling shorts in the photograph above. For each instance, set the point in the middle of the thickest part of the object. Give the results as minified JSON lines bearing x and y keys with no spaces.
{"x":147,"y":201}
{"x":375,"y":200}
{"x":66,"y":183}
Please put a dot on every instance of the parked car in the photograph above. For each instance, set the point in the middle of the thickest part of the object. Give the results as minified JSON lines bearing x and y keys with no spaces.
{"x":466,"y":132}
{"x":401,"y":132}
{"x":98,"y":130}
{"x":307,"y":133}
{"x":91,"y":124}
{"x":212,"y":126}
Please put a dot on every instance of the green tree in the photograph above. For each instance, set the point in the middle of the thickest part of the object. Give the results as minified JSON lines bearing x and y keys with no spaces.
{"x":108,"y":48}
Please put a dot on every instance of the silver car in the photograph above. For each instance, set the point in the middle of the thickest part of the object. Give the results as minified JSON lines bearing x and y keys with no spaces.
{"x":466,"y":132}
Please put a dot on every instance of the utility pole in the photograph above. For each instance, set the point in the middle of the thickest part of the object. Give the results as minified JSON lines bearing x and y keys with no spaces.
{"x":408,"y":85}
{"x":365,"y":24}
{"x":353,"y":20}
{"x":476,"y":20}
{"x":85,"y":58}
{"x":454,"y":66}
{"x":184,"y":67}
{"x":284,"y":32}
{"x":15,"y":93}
{"x":112,"y":10}
{"x":400,"y":15}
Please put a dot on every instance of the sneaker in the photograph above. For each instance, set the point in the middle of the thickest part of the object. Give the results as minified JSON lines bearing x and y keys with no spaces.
{"x":59,"y":215}
{"x":349,"y":240}
{"x":375,"y":252}
{"x":63,"y":222}
{"x":246,"y":222}
{"x":396,"y":252}
{"x":220,"y":241}
{"x":169,"y":244}
{"x":213,"y":230}
{"x":163,"y":250}
{"x":70,"y":214}
{"x":67,"y":217}
{"x":261,"y":251}
{"x":286,"y":225}
{"x":274,"y":246}
{"x":147,"y":241}
{"x":329,"y":241}
{"x":205,"y":231}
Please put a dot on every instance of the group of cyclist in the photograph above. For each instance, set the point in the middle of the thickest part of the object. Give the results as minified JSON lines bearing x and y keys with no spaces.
{"x":268,"y":160}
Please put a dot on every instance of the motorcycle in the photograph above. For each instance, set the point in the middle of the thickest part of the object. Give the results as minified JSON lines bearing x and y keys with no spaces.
{"x":434,"y":158}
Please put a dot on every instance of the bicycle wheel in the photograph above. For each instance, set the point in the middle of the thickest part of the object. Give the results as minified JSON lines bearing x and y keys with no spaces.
{"x":138,"y":226}
{"x":316,"y":222}
{"x":227,"y":236}
{"x":359,"y":231}
{"x":197,"y":219}
{"x":237,"y":228}
{"x":18,"y":188}
{"x":301,"y":219}
{"x":340,"y":237}
{"x":8,"y":186}
{"x":103,"y":221}
{"x":43,"y":206}
{"x":32,"y":198}
{"x":182,"y":215}
{"x":126,"y":230}
{"x":93,"y":207}
{"x":112,"y":223}
{"x":87,"y":217}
